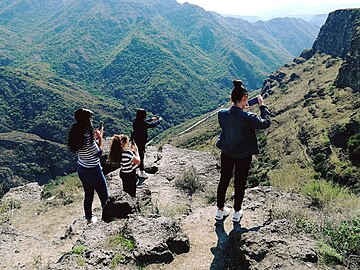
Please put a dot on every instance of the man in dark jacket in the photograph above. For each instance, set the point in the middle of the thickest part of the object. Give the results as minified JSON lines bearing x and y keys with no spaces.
{"x":238,"y":143}
{"x":140,"y":134}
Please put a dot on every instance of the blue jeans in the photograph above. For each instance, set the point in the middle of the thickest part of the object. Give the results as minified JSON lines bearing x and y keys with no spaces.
{"x":92,"y":180}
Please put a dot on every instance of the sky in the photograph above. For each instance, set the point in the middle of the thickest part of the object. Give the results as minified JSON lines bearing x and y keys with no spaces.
{"x":267,"y":9}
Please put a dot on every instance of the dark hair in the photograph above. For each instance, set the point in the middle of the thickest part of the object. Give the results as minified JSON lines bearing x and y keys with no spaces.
{"x":238,"y":92}
{"x":140,"y":114}
{"x":117,"y":146}
{"x":76,"y":136}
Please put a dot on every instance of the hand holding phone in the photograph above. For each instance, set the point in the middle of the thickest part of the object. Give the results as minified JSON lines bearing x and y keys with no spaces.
{"x":253,"y":101}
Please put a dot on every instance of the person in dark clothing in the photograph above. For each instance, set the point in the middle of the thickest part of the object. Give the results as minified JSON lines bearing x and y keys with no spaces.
{"x":238,"y":143}
{"x":140,"y":134}
{"x":87,"y":144}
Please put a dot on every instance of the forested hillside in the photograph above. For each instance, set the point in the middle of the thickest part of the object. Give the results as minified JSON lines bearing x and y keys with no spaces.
{"x":148,"y":53}
{"x":315,"y":127}
{"x":175,"y":60}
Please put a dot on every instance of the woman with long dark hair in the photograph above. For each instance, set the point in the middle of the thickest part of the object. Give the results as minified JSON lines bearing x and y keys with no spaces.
{"x":87,"y":143}
{"x":238,"y":143}
{"x":125,"y":153}
{"x":140,"y":134}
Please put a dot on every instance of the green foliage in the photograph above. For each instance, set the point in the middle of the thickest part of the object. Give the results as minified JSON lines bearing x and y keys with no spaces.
{"x":324,"y":192}
{"x":8,"y":205}
{"x":117,"y":259}
{"x":79,"y":250}
{"x":353,"y":143}
{"x":122,"y":242}
{"x":64,"y":188}
{"x":189,"y":181}
{"x":329,"y":255}
{"x":346,"y":237}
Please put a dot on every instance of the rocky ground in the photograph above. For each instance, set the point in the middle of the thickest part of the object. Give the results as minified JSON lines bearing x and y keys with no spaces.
{"x":165,"y":228}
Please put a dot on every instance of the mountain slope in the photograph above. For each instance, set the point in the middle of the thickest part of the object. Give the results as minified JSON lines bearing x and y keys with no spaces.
{"x":79,"y":37}
{"x":315,"y":124}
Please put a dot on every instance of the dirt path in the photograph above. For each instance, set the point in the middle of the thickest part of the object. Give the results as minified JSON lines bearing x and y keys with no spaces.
{"x":208,"y":243}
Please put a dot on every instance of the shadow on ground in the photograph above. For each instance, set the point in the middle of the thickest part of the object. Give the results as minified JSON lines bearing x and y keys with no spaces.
{"x":227,"y":253}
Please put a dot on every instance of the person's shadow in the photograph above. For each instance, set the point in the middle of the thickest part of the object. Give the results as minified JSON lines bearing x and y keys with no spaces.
{"x":225,"y":253}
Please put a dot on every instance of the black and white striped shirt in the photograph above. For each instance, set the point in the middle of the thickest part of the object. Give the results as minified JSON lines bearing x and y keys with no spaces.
{"x":126,"y":161}
{"x":89,"y":155}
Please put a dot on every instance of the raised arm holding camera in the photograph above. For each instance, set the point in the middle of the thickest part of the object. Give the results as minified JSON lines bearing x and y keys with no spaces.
{"x":238,"y":143}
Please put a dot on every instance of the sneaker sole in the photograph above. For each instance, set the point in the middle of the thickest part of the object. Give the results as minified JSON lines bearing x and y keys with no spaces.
{"x":221,"y":219}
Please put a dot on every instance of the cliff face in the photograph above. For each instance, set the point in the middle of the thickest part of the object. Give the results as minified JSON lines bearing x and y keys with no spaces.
{"x":337,"y":33}
{"x":349,"y":73}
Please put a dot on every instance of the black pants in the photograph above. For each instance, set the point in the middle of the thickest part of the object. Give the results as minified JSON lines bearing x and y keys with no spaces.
{"x":242,"y":167}
{"x":129,"y":182}
{"x":141,"y":149}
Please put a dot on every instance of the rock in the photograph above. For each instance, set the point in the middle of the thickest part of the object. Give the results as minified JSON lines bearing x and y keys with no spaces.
{"x":275,"y":243}
{"x":157,"y":239}
{"x":30,"y":192}
{"x":336,"y":34}
{"x":307,"y":53}
{"x":119,"y":205}
{"x":349,"y":73}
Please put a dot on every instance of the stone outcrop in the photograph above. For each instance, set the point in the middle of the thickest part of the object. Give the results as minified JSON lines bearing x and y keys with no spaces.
{"x":349,"y":73}
{"x":337,"y":33}
{"x":137,"y":232}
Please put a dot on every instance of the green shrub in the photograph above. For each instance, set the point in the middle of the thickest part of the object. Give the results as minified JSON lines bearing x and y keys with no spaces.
{"x":65,"y":188}
{"x":8,"y":205}
{"x":117,"y":259}
{"x":122,"y":242}
{"x":353,"y":142}
{"x":329,"y":255}
{"x":189,"y":181}
{"x":346,"y":237}
{"x":325,"y":192}
{"x":79,"y":250}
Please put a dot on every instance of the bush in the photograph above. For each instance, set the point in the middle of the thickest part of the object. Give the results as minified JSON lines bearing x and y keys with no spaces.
{"x":189,"y":181}
{"x":64,"y":188}
{"x":346,"y":237}
{"x":79,"y":249}
{"x":122,"y":242}
{"x":329,"y":255}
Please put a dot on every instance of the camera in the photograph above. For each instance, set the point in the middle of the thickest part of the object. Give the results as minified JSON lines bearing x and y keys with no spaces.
{"x":253,"y":101}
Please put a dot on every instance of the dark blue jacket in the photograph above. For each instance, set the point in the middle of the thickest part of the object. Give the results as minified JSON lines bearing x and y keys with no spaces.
{"x":238,"y":138}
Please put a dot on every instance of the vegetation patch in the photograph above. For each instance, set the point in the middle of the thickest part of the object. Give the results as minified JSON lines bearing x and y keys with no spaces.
{"x":64,"y":189}
{"x":79,"y":250}
{"x":122,"y":242}
{"x":189,"y":181}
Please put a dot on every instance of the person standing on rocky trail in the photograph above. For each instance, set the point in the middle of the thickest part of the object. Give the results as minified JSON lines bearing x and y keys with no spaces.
{"x":87,"y":144}
{"x":125,"y":153}
{"x":238,"y":143}
{"x":140,"y":134}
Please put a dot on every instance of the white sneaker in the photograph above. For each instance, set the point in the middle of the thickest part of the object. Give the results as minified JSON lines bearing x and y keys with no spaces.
{"x":222,"y":214}
{"x":93,"y":220}
{"x":143,"y":174}
{"x":237,"y":216}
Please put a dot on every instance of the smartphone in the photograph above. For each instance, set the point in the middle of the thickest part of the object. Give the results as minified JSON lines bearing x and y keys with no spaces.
{"x":253,"y":101}
{"x":101,"y":125}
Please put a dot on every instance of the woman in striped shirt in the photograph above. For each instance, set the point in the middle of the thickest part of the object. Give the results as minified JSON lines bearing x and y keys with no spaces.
{"x":87,"y":144}
{"x":127,"y":154}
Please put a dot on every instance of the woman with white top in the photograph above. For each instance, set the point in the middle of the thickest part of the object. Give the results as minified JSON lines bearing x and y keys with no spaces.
{"x":125,"y":153}
{"x":87,"y":143}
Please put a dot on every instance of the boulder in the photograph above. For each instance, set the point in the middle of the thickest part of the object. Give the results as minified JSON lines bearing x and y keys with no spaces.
{"x":157,"y":239}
